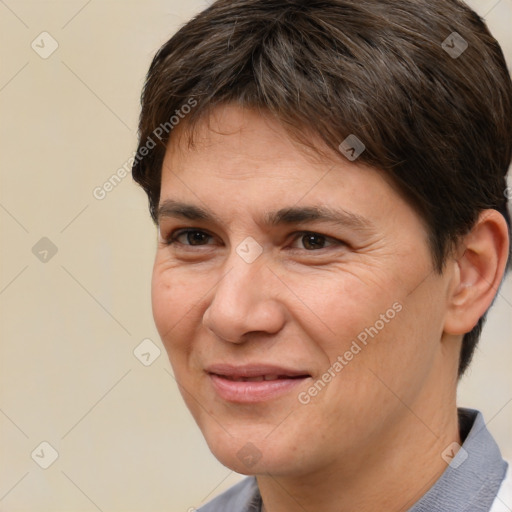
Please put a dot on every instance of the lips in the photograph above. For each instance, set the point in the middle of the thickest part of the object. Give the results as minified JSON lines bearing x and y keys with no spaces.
{"x":259,"y":378}
{"x":253,"y":383}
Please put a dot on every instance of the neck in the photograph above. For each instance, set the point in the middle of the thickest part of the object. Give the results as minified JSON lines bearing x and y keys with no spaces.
{"x":391,"y":473}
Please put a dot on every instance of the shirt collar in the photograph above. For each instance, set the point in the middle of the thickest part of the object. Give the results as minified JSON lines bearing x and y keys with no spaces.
{"x":473,"y":476}
{"x":469,"y":483}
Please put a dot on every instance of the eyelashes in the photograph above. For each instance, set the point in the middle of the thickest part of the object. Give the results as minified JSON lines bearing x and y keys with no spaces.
{"x":312,"y":238}
{"x":173,"y":237}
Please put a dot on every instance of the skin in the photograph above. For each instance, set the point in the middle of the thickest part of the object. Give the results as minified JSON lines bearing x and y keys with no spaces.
{"x":372,"y":438}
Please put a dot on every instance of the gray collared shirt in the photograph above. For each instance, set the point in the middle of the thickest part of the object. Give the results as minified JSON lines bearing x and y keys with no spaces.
{"x":469,"y":483}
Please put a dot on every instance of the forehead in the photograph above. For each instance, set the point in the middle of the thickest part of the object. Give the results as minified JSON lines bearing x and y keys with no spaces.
{"x":248,"y":134}
{"x":239,"y":156}
{"x":241,"y":142}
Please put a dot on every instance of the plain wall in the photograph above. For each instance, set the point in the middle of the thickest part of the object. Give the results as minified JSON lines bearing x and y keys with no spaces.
{"x":71,"y":320}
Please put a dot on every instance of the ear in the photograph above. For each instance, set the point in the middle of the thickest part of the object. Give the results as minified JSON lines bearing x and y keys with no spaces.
{"x":478,"y":272}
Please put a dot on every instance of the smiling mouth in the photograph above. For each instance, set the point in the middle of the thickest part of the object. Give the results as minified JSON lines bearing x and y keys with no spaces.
{"x":260,"y":378}
{"x":253,"y":384}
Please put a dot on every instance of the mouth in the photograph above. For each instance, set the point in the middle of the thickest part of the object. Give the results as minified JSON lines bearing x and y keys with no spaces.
{"x":259,"y":378}
{"x":253,"y":383}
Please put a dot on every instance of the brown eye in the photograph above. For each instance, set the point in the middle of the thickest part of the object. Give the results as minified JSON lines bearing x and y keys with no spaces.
{"x":313,"y":241}
{"x":196,"y":237}
{"x":189,"y":237}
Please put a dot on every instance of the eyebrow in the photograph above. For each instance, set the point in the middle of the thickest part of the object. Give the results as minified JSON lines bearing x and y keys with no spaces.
{"x":284,"y":216}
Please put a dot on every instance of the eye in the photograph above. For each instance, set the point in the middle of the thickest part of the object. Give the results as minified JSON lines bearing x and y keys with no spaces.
{"x":311,"y":241}
{"x":188,"y":237}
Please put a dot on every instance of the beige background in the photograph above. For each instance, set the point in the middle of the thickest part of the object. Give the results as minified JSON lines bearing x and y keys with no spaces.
{"x":70,"y":323}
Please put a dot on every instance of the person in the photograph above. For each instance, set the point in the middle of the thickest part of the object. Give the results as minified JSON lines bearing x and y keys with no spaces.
{"x":328,"y":179}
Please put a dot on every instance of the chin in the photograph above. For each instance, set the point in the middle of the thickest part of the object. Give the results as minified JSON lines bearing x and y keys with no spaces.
{"x":249,"y":461}
{"x":251,"y":453}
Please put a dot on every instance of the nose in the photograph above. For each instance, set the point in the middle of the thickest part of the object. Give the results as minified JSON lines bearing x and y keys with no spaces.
{"x":245,"y":301}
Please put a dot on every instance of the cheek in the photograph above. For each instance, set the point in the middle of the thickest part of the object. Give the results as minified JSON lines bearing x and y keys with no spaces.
{"x":173,"y":299}
{"x":393,"y":358}
{"x":379,"y":329}
{"x":343,"y":305}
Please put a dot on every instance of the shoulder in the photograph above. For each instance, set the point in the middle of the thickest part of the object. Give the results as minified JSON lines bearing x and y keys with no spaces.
{"x":503,"y":501}
{"x":242,"y":497}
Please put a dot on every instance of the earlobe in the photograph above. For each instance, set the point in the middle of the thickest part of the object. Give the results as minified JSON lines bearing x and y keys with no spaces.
{"x":478,"y":272}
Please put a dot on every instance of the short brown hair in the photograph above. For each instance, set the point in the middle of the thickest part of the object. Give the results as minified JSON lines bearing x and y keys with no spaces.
{"x":438,"y":123}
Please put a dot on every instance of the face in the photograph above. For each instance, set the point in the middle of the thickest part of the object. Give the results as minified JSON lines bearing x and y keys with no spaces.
{"x":295,"y":296}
